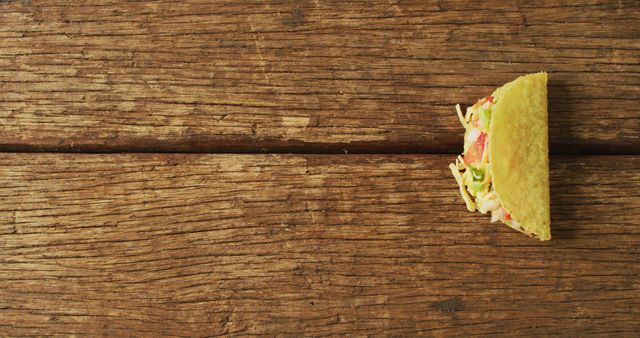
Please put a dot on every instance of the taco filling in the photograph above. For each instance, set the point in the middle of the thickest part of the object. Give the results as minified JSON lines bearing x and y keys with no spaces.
{"x":472,"y":170}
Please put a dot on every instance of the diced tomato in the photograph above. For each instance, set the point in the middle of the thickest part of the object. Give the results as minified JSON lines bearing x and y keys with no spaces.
{"x":507,"y":217}
{"x":474,"y":153}
{"x":489,"y":98}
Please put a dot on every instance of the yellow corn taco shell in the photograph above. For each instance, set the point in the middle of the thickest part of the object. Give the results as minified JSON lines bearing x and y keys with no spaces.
{"x":519,"y":152}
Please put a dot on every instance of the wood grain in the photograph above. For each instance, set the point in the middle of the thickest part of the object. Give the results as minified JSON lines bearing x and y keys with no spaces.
{"x":204,"y":245}
{"x":307,"y":76}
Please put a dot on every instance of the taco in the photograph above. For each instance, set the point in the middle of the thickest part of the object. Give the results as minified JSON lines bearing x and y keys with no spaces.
{"x":504,"y":168}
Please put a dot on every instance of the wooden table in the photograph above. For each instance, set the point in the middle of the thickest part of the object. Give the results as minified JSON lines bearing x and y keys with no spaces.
{"x":193,"y":168}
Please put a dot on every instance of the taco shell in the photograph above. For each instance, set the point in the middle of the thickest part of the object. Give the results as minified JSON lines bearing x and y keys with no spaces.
{"x":518,"y":152}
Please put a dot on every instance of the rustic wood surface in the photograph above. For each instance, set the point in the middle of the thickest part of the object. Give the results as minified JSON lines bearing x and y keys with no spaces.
{"x":307,"y":76}
{"x":163,"y":244}
{"x":212,"y":244}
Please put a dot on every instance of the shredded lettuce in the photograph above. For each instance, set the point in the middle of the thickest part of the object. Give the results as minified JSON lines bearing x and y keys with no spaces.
{"x":477,"y":174}
{"x":485,"y":117}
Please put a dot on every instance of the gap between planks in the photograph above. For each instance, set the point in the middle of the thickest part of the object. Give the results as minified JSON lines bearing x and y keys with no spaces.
{"x":387,"y":148}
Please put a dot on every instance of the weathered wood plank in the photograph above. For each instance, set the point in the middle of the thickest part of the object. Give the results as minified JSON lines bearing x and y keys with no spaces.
{"x":306,"y":76}
{"x":317,"y":244}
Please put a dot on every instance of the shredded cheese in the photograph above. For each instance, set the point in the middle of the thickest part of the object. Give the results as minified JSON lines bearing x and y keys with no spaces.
{"x":460,"y":163}
{"x":469,"y":113}
{"x":463,"y":120}
{"x":465,"y":196}
{"x":485,"y":155}
{"x":487,"y":174}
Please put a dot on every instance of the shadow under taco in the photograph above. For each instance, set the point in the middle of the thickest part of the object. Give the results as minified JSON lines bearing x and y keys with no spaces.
{"x":504,"y":169}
